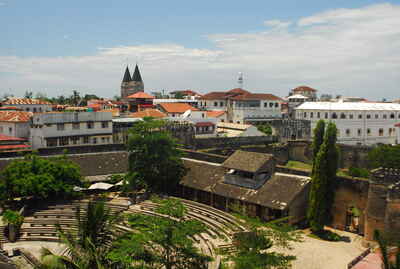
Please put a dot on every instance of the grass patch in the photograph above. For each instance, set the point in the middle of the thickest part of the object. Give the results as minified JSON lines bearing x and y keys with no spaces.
{"x":326,"y":235}
{"x":298,"y":165}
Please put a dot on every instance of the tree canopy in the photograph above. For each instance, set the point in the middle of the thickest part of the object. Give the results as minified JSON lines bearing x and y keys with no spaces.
{"x":265,"y":128}
{"x":154,"y":156}
{"x":387,"y":156}
{"x":161,"y":241}
{"x":323,"y":179}
{"x":39,"y":177}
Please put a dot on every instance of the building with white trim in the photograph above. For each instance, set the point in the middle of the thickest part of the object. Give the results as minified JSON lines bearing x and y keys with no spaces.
{"x":357,"y":123}
{"x":70,"y":129}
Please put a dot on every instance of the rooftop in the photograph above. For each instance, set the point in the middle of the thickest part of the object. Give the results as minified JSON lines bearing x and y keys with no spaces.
{"x":247,"y":161}
{"x":177,"y":107}
{"x":25,"y":101}
{"x":141,"y":95}
{"x":215,"y":113}
{"x":350,"y":106}
{"x":239,"y":94}
{"x":15,"y":116}
{"x":304,"y":88}
{"x":154,"y":113}
{"x":10,"y":138}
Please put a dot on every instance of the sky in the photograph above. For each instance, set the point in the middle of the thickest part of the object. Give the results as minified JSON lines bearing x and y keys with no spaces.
{"x":346,"y":47}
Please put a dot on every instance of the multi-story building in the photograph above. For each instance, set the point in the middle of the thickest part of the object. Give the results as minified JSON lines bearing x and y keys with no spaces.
{"x":15,"y":123}
{"x":242,"y":106}
{"x":306,"y":91}
{"x":70,"y":129}
{"x":299,"y":95}
{"x":357,"y":123}
{"x":29,"y":105}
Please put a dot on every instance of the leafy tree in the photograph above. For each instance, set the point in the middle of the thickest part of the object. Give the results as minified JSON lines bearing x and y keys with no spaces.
{"x":13,"y":217}
{"x":384,"y":156}
{"x":318,"y":137}
{"x":39,"y":177}
{"x":384,"y":243}
{"x":265,"y":128}
{"x":89,"y":246}
{"x":253,"y":248}
{"x":154,"y":156}
{"x":161,"y":242}
{"x":323,"y":181}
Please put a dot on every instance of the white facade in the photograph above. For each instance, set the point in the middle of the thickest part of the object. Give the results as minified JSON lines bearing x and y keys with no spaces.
{"x":357,"y":123}
{"x":70,"y":129}
{"x":17,"y":129}
{"x":238,"y":111}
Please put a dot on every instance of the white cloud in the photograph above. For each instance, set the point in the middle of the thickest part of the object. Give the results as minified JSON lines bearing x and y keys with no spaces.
{"x":342,"y":51}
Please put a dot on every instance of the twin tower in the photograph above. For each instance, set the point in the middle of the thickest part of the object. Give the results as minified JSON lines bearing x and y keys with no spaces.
{"x":131,"y":84}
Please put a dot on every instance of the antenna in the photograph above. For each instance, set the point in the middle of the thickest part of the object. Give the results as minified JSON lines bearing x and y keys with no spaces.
{"x":240,"y":80}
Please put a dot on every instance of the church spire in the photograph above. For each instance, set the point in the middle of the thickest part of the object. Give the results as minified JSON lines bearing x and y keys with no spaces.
{"x":136,"y":75}
{"x":127,"y":75}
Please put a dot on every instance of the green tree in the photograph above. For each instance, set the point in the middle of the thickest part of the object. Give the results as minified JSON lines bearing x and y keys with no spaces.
{"x":161,"y":242}
{"x":178,"y":95}
{"x":89,"y":246}
{"x":323,"y":181}
{"x":387,"y":156}
{"x":265,"y":128}
{"x":318,"y":137}
{"x":384,"y":243}
{"x":39,"y":177}
{"x":253,"y":248}
{"x":154,"y":156}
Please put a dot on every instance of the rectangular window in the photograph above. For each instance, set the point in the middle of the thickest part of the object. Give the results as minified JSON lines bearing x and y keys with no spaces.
{"x":10,"y":130}
{"x":51,"y":142}
{"x":104,"y":124}
{"x":326,"y":115}
{"x":368,"y":131}
{"x":221,"y":103}
{"x":60,"y":126}
{"x":76,"y":125}
{"x":318,"y":115}
{"x":368,"y":116}
{"x":75,"y":140}
{"x":311,"y":115}
{"x":64,"y":141}
{"x":103,"y":139}
{"x":265,"y":104}
{"x":305,"y":115}
{"x":94,"y":140}
{"x":376,"y":116}
{"x":360,"y":116}
{"x":380,"y":131}
{"x":276,"y":105}
{"x":90,"y":124}
{"x":85,"y":140}
{"x":215,"y":103}
{"x":348,"y":132}
{"x":359,"y":132}
{"x":384,"y":116}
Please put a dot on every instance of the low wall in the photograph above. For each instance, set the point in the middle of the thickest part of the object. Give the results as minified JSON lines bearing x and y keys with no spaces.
{"x":223,"y":142}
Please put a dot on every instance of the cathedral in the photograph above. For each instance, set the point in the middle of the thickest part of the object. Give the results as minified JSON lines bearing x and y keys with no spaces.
{"x":131,"y":84}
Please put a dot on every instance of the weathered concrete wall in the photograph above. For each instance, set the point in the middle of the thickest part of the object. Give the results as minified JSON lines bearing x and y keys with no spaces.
{"x":227,"y":142}
{"x":350,"y":155}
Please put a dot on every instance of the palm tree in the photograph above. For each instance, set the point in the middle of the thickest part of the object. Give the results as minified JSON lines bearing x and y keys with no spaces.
{"x":383,"y":243}
{"x":87,"y":248}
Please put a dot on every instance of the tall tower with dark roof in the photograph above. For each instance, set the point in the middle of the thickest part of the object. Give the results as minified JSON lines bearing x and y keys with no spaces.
{"x":131,"y":84}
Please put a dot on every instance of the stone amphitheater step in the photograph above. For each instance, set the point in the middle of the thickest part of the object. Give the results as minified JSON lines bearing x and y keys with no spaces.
{"x":222,"y":214}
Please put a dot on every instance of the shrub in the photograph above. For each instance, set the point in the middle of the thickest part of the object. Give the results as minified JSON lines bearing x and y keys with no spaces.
{"x":358,"y":172}
{"x":13,"y":217}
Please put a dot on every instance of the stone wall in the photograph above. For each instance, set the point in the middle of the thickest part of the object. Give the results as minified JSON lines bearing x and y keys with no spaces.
{"x":233,"y":142}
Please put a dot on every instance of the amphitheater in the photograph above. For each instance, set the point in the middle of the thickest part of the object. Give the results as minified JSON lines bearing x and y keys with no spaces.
{"x":40,"y":224}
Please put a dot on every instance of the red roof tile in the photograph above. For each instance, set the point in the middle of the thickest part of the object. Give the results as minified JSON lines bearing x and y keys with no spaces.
{"x":177,"y":107}
{"x":11,"y":147}
{"x":25,"y":101}
{"x":238,"y":91}
{"x":154,"y":113}
{"x":15,"y":116}
{"x":215,"y":114}
{"x":10,"y":138}
{"x":142,"y":95}
{"x":257,"y":96}
{"x":204,"y":124}
{"x":304,"y":88}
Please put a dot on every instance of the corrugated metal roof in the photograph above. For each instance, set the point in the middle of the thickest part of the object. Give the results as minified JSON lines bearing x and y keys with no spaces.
{"x":350,"y":106}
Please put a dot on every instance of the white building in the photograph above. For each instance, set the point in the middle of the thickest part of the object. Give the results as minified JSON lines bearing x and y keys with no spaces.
{"x":357,"y":123}
{"x":70,"y":129}
{"x":15,"y":123}
{"x":29,"y":105}
{"x":242,"y":106}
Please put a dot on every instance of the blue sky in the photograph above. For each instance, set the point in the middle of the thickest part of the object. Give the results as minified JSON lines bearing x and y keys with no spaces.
{"x":188,"y":44}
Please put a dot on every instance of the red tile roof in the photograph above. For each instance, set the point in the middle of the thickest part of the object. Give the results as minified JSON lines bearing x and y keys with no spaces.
{"x":304,"y":88}
{"x":215,"y":114}
{"x":204,"y":124}
{"x":15,"y":116}
{"x":238,"y":91}
{"x":214,"y":96}
{"x":154,"y":113}
{"x":177,"y":107}
{"x":12,"y":147}
{"x":141,"y":95}
{"x":10,"y":138}
{"x":257,"y":96}
{"x":25,"y":101}
{"x":397,"y":124}
{"x":9,"y":108}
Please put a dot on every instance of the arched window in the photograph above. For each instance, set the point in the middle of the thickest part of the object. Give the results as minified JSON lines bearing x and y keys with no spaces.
{"x":342,"y":115}
{"x":392,"y":116}
{"x":334,"y":115}
{"x":384,"y":116}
